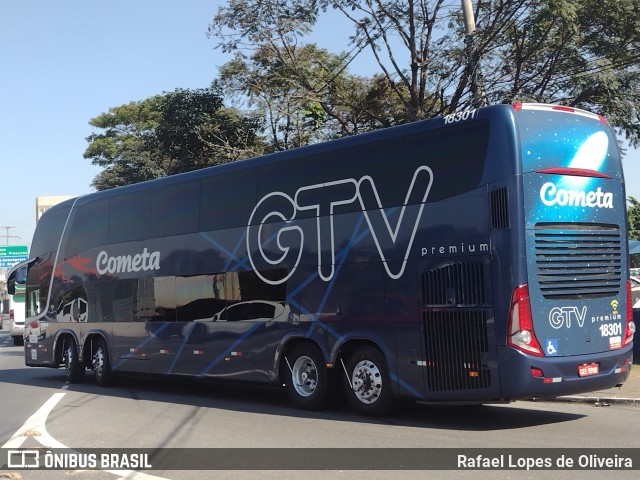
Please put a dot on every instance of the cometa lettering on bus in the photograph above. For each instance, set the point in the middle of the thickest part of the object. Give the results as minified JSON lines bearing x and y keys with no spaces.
{"x":144,"y":261}
{"x":552,"y":195}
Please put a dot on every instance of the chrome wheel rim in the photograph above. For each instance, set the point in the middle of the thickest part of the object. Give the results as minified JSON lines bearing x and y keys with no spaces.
{"x":98,"y":362}
{"x":366,"y":381}
{"x":68,"y":358}
{"x":304,"y":375}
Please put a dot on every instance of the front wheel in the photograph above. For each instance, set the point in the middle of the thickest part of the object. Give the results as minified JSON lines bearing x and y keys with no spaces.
{"x":307,"y":378}
{"x":73,"y":369}
{"x":367,"y":383}
{"x":101,"y":364}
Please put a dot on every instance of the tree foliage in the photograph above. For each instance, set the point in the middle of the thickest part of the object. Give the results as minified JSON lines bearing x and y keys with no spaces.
{"x":167,"y":134}
{"x":582,"y":53}
{"x":309,"y":99}
{"x":633,"y":218}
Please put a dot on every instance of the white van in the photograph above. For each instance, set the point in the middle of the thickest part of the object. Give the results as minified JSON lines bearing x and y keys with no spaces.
{"x":16,"y":304}
{"x":16,"y":317}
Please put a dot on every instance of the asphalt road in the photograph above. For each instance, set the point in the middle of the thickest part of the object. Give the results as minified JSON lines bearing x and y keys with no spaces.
{"x":141,"y":414}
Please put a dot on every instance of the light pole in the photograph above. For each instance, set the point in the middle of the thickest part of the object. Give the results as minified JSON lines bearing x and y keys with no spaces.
{"x":473,"y":58}
{"x":7,"y":236}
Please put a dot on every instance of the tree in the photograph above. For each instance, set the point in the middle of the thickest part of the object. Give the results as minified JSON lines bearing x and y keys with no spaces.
{"x":123,"y":148}
{"x":313,"y":102}
{"x":579,"y":53}
{"x":633,"y":218}
{"x":582,"y":53}
{"x":167,"y":134}
{"x":195,"y":130}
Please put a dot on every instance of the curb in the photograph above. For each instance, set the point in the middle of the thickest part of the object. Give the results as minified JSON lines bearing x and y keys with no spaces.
{"x":602,"y":401}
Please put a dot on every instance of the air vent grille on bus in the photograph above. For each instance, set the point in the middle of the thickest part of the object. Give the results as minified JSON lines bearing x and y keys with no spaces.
{"x":576,"y":260}
{"x":460,"y":283}
{"x":455,"y":342}
{"x":499,"y":208}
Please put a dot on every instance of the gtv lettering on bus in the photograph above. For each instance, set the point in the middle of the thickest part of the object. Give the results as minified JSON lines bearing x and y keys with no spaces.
{"x":551,"y":195}
{"x":127,"y":263}
{"x":280,"y":207}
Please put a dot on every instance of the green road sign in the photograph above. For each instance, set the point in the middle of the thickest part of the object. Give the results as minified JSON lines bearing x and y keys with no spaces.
{"x":13,"y":250}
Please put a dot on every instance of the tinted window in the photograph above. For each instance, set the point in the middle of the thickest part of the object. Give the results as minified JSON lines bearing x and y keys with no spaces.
{"x":289,"y":176}
{"x":72,"y":306}
{"x":383,"y":161}
{"x":102,"y":306}
{"x":456,"y":156}
{"x":88,"y":227}
{"x":175,"y":209}
{"x":37,"y":287}
{"x":249,"y":311}
{"x":123,"y":296}
{"x":48,"y":231}
{"x":227,"y":200}
{"x":129,"y":217}
{"x":155,"y":299}
{"x":200,"y":296}
{"x":248,"y":286}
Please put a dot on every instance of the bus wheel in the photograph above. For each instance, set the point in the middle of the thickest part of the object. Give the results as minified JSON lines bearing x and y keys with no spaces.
{"x":101,"y":364}
{"x":367,"y":384}
{"x":307,"y":378}
{"x":73,"y":369}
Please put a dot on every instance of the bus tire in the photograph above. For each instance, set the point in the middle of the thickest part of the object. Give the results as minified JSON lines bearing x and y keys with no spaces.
{"x":101,"y":364}
{"x":367,"y":384}
{"x":307,"y":379}
{"x":73,"y":369}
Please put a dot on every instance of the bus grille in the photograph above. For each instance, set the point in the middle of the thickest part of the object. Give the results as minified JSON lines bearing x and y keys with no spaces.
{"x":455,"y":343}
{"x":500,"y":208}
{"x":578,"y":260}
{"x":460,"y":283}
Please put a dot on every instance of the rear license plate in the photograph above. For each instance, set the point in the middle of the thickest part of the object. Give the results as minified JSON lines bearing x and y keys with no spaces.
{"x":588,"y":369}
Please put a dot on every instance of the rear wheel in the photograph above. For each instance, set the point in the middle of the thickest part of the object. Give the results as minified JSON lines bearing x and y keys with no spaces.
{"x":18,"y":341}
{"x":307,"y":377}
{"x":101,"y":364}
{"x":73,"y":369}
{"x":367,"y":383}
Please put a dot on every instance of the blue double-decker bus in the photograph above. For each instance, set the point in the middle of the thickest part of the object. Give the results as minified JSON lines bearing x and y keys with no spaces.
{"x":477,"y":257}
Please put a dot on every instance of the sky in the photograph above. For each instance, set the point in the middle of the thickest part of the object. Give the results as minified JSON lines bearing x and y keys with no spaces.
{"x":65,"y":62}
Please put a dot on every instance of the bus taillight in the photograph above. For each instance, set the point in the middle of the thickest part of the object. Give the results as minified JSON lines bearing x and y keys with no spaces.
{"x":631,"y":326}
{"x":520,"y":333}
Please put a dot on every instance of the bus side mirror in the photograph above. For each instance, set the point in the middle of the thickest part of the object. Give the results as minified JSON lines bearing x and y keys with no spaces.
{"x":16,"y":276}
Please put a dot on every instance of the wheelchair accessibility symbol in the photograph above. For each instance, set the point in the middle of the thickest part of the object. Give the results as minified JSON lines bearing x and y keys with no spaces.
{"x":552,"y":347}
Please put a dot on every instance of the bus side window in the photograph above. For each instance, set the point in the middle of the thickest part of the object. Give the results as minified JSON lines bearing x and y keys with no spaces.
{"x":33,"y":303}
{"x":37,"y":287}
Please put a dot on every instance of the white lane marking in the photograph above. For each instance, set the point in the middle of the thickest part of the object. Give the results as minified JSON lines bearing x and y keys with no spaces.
{"x":35,"y":428}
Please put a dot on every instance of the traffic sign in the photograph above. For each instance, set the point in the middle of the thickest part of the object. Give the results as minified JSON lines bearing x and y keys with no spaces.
{"x":12,"y":254}
{"x":8,"y":262}
{"x":13,"y":250}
